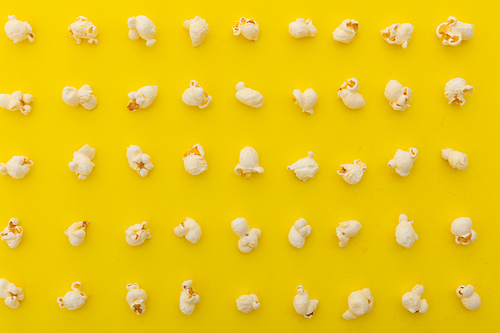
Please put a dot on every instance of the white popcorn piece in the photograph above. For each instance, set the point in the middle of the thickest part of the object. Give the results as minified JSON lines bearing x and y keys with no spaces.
{"x":142,"y":27}
{"x":73,"y":299}
{"x":249,"y":239}
{"x":301,"y":28}
{"x":136,"y":298}
{"x":16,"y":102}
{"x":17,"y":167}
{"x":249,"y":163}
{"x":303,"y":305}
{"x":455,"y":90}
{"x":83,"y":96}
{"x":248,"y":96}
{"x":194,"y":160}
{"x":298,"y":233}
{"x":346,"y":230}
{"x":12,"y":233}
{"x":196,"y":96}
{"x":139,"y":161}
{"x":13,"y":296}
{"x":413,"y":302}
{"x":352,"y":173}
{"x":76,"y":232}
{"x":83,"y":29}
{"x":348,"y":93}
{"x":359,"y":302}
{"x":143,"y":98}
{"x":457,"y":160}
{"x":470,"y":299}
{"x":189,"y":229}
{"x":462,"y":229}
{"x":82,"y":163}
{"x":403,"y":161}
{"x":137,"y":234}
{"x":189,"y":298}
{"x":306,"y":99}
{"x":399,"y":34}
{"x":346,"y":31}
{"x":248,"y":28}
{"x":454,"y":32}
{"x":305,"y":168}
{"x":247,"y":303}
{"x":405,"y":234}
{"x":18,"y":30}
{"x":198,"y":28}
{"x":397,"y":95}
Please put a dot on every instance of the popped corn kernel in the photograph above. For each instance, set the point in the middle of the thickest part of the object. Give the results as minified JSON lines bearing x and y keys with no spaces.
{"x":76,"y":232}
{"x":249,"y":163}
{"x":305,"y":168}
{"x":83,"y":96}
{"x":17,"y":167}
{"x":306,"y":100}
{"x":83,"y":29}
{"x":17,"y":102}
{"x":359,"y":302}
{"x":247,"y":303}
{"x":470,"y":299}
{"x":348,"y":93}
{"x":248,"y":28}
{"x":196,"y":96}
{"x":399,"y":34}
{"x":73,"y":299}
{"x":301,"y":28}
{"x":397,"y":95}
{"x":136,"y":298}
{"x":12,"y":233}
{"x":143,"y":98}
{"x":249,"y":239}
{"x":198,"y":28}
{"x":346,"y":31}
{"x":82,"y":163}
{"x":346,"y":230}
{"x":142,"y":27}
{"x":455,"y":90}
{"x":413,"y":302}
{"x":12,"y":295}
{"x":403,"y":161}
{"x":461,"y":228}
{"x":189,"y":298}
{"x":457,"y":160}
{"x":139,"y":161}
{"x":137,"y":234}
{"x":18,"y":30}
{"x":194,"y":160}
{"x":454,"y":32}
{"x":189,"y":229}
{"x":248,"y":96}
{"x":405,"y":234}
{"x":298,"y":233}
{"x":352,"y":173}
{"x":303,"y":305}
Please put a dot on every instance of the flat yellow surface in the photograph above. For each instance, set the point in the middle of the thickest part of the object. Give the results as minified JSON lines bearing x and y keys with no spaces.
{"x":114,"y":196}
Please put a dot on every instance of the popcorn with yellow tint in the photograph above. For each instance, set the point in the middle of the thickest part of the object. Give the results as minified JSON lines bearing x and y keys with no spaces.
{"x":359,"y":302}
{"x":249,"y":239}
{"x":142,"y":27}
{"x":137,"y":234}
{"x":82,"y":163}
{"x":249,"y":163}
{"x":136,"y":298}
{"x":306,"y":99}
{"x":247,"y":303}
{"x":454,"y":32}
{"x":83,"y":96}
{"x":305,"y":168}
{"x":189,"y":229}
{"x":196,"y":96}
{"x":397,"y":95}
{"x":455,"y":91}
{"x":461,"y":228}
{"x":76,"y":232}
{"x":405,"y":234}
{"x":399,"y":34}
{"x":194,"y":160}
{"x":403,"y":161}
{"x":470,"y":299}
{"x":248,"y":28}
{"x":17,"y":102}
{"x":18,"y":30}
{"x":248,"y":96}
{"x":349,"y":94}
{"x":12,"y":295}
{"x":83,"y":29}
{"x":352,"y":173}
{"x":413,"y":302}
{"x":143,"y":98}
{"x":298,"y":233}
{"x":139,"y":161}
{"x":189,"y":298}
{"x":198,"y":28}
{"x":346,"y":31}
{"x":12,"y":233}
{"x":303,"y":305}
{"x":301,"y":28}
{"x":346,"y":230}
{"x":17,"y":167}
{"x":73,"y":299}
{"x":457,"y":160}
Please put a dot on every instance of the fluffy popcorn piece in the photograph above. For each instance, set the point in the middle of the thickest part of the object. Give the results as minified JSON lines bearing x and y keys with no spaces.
{"x":413,"y":302}
{"x":139,"y":161}
{"x":462,"y":229}
{"x":198,"y":28}
{"x":248,"y":96}
{"x":247,"y":303}
{"x":189,"y":229}
{"x":306,"y":99}
{"x":142,"y":27}
{"x":18,"y":30}
{"x":76,"y":232}
{"x":136,"y":298}
{"x":12,"y":295}
{"x":456,"y":159}
{"x":455,"y":90}
{"x":73,"y":299}
{"x":346,"y":230}
{"x":83,"y":96}
{"x":303,"y":305}
{"x":348,"y":93}
{"x":301,"y":28}
{"x":82,"y":163}
{"x":248,"y":28}
{"x":470,"y":299}
{"x":12,"y":233}
{"x":249,"y":163}
{"x":352,"y":173}
{"x":189,"y":298}
{"x":17,"y":167}
{"x":83,"y":29}
{"x":359,"y":302}
{"x":249,"y":239}
{"x":403,"y":161}
{"x":305,"y":168}
{"x":17,"y":102}
{"x":194,"y":160}
{"x":143,"y":98}
{"x":137,"y":234}
{"x":399,"y":34}
{"x":196,"y":96}
{"x":298,"y":233}
{"x":397,"y":95}
{"x":405,"y":235}
{"x":346,"y":31}
{"x":454,"y":32}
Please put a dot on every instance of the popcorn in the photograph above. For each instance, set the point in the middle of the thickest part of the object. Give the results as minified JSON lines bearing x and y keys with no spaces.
{"x":405,"y":235}
{"x":349,"y":94}
{"x":76,"y":232}
{"x":142,"y":27}
{"x":13,"y":295}
{"x":136,"y":298}
{"x":397,"y":96}
{"x":305,"y":168}
{"x":198,"y":28}
{"x":139,"y":161}
{"x":17,"y":167}
{"x":301,"y":28}
{"x":82,"y":163}
{"x":143,"y":98}
{"x":462,"y":229}
{"x":454,"y":32}
{"x":247,"y":303}
{"x":346,"y":31}
{"x":18,"y":30}
{"x":346,"y":230}
{"x":249,"y":163}
{"x":359,"y":302}
{"x":403,"y":161}
{"x":455,"y":91}
{"x":12,"y":233}
{"x":83,"y":96}
{"x":249,"y":239}
{"x":247,"y":28}
{"x":456,"y":159}
{"x":137,"y":234}
{"x":74,"y":299}
{"x":297,"y":235}
{"x":189,"y":229}
{"x":470,"y":299}
{"x":306,"y":100}
{"x":352,"y":173}
{"x":399,"y":34}
{"x":196,"y":96}
{"x":302,"y":304}
{"x":194,"y":160}
{"x":248,"y":96}
{"x":16,"y":102}
{"x":413,"y":302}
{"x":189,"y":297}
{"x":83,"y":29}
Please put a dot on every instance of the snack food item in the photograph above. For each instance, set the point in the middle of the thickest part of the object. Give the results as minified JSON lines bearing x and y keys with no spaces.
{"x":12,"y":233}
{"x":136,"y":298}
{"x":139,"y":161}
{"x":461,"y":228}
{"x":403,"y":161}
{"x":457,"y":160}
{"x":405,"y":235}
{"x":248,"y":96}
{"x":397,"y":95}
{"x":76,"y":232}
{"x":399,"y":34}
{"x":348,"y":93}
{"x":82,"y":163}
{"x":455,"y":90}
{"x":249,"y":163}
{"x":12,"y":295}
{"x":16,"y":102}
{"x":249,"y":239}
{"x":346,"y":230}
{"x":142,"y":27}
{"x":83,"y":29}
{"x":301,"y":28}
{"x":359,"y":302}
{"x":470,"y":299}
{"x":83,"y":96}
{"x":189,"y":298}
{"x":346,"y":31}
{"x":303,"y":305}
{"x":73,"y":299}
{"x":18,"y":30}
{"x":143,"y":98}
{"x":305,"y":168}
{"x":194,"y":160}
{"x":198,"y":28}
{"x":247,"y":303}
{"x":352,"y":173}
{"x":196,"y":96}
{"x":298,"y":233}
{"x":413,"y":302}
{"x":17,"y":167}
{"x":306,"y":99}
{"x":454,"y":32}
{"x":189,"y":229}
{"x":248,"y":28}
{"x":137,"y":234}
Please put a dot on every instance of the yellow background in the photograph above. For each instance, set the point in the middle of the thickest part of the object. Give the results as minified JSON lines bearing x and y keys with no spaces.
{"x":114,"y":196}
